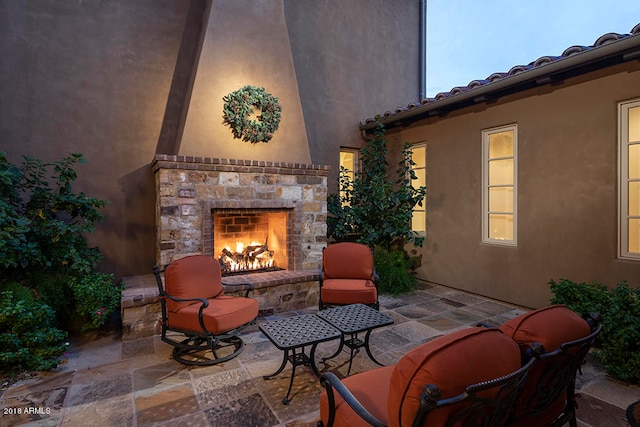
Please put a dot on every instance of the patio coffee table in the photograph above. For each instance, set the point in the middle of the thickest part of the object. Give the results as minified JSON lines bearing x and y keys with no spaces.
{"x":293,"y":333}
{"x":351,"y":320}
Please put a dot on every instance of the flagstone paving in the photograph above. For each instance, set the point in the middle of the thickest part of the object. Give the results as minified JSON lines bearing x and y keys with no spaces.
{"x":107,"y":382}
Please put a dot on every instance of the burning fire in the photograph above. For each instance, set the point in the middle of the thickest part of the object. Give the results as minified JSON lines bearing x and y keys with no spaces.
{"x":254,"y":256}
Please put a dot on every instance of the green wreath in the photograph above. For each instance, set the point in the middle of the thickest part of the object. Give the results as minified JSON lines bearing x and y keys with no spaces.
{"x":239,"y":105}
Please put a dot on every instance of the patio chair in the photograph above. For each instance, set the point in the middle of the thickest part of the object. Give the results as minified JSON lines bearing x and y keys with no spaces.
{"x":469,"y":377}
{"x":348,"y":276}
{"x":548,"y":397}
{"x":204,"y":322}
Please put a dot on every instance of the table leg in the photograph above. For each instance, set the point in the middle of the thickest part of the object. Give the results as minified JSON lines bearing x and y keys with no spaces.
{"x":354,"y":345}
{"x":340,"y":347}
{"x":294,"y":362}
{"x":366,"y":347}
{"x":284,"y":363}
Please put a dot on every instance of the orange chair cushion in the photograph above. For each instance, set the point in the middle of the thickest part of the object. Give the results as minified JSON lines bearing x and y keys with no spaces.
{"x":551,"y":326}
{"x":348,"y":291}
{"x":346,"y":260}
{"x":371,"y":388}
{"x":223,"y":314}
{"x":452,"y":362}
{"x":196,"y":276}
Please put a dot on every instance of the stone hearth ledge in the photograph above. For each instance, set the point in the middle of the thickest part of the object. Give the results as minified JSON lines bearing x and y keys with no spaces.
{"x":276,"y":292}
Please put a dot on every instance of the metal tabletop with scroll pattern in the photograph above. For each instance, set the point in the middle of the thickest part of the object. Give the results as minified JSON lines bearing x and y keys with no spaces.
{"x":298,"y":331}
{"x":355,"y":318}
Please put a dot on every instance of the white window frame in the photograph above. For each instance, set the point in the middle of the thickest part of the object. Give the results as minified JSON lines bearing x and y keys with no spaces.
{"x":485,"y":185}
{"x":623,"y":179}
{"x":356,"y":163}
{"x":422,"y":208}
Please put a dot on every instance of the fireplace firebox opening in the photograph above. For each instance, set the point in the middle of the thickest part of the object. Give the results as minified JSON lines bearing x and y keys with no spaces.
{"x":252,"y":240}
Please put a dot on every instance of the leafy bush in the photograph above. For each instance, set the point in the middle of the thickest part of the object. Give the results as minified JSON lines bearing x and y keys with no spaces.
{"x":371,"y":208}
{"x":96,"y":298}
{"x":394,"y":268}
{"x":43,"y":250}
{"x":619,"y":348}
{"x":582,"y":298}
{"x":27,"y":339}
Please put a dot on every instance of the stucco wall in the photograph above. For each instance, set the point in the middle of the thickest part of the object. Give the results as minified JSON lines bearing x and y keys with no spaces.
{"x":353,"y":59}
{"x":93,"y":77}
{"x":246,"y":44}
{"x":567,"y":190}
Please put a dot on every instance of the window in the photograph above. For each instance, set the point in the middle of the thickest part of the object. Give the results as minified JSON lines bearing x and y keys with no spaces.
{"x":499,"y":181}
{"x":419,"y":158}
{"x":629,"y":171}
{"x":348,"y":167}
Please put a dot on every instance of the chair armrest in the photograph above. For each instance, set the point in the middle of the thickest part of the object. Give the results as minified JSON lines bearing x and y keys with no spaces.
{"x":202,"y":301}
{"x":248,"y":285}
{"x":485,"y":325}
{"x":376,"y":278}
{"x":331,"y":382}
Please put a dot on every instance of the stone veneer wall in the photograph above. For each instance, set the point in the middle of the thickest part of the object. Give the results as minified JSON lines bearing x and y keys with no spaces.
{"x":276,"y":292}
{"x":188,"y":189}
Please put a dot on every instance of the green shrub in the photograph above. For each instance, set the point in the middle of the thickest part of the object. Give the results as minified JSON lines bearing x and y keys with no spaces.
{"x":372,"y":208}
{"x":582,"y":298}
{"x":45,"y":258}
{"x":620,"y":351}
{"x":28,"y":342}
{"x":619,"y":341}
{"x":394,"y":269}
{"x":96,"y":298}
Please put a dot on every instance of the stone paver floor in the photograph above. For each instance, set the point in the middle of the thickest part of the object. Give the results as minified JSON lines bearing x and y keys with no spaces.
{"x":107,"y":382}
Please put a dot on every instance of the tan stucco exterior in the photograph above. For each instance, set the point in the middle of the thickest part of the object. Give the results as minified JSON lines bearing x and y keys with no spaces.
{"x":567,"y":194}
{"x":97,"y":78}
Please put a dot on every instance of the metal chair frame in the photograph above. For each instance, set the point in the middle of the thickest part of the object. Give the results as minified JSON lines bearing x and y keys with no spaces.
{"x":477,"y":410}
{"x":191,"y":350}
{"x":376,"y":281}
{"x":563,"y":367}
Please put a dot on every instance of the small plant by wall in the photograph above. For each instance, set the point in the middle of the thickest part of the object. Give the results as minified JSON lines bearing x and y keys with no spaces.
{"x":394,"y":269}
{"x":619,"y":348}
{"x":48,"y":275}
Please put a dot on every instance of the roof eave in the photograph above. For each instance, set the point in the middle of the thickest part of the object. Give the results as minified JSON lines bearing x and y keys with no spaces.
{"x":623,"y":50}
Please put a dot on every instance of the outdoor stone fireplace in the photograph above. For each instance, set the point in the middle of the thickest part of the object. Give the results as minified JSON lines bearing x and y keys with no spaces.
{"x":208,"y":205}
{"x":204,"y":205}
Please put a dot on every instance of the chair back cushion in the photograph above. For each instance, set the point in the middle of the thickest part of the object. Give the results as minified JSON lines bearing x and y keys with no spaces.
{"x":544,"y":396}
{"x":550,"y":326}
{"x":195,"y":276}
{"x":452,"y":362}
{"x":347,"y":260}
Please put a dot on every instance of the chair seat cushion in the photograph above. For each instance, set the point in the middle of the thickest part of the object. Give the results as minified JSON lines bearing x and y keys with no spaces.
{"x":223,"y":314}
{"x":371,"y":389}
{"x":348,"y":291}
{"x":452,"y":362}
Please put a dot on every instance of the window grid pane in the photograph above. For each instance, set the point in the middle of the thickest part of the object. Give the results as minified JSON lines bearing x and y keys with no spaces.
{"x":501,"y":227}
{"x":629,"y":208}
{"x":419,"y":169}
{"x":634,"y":124}
{"x":500,"y":185}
